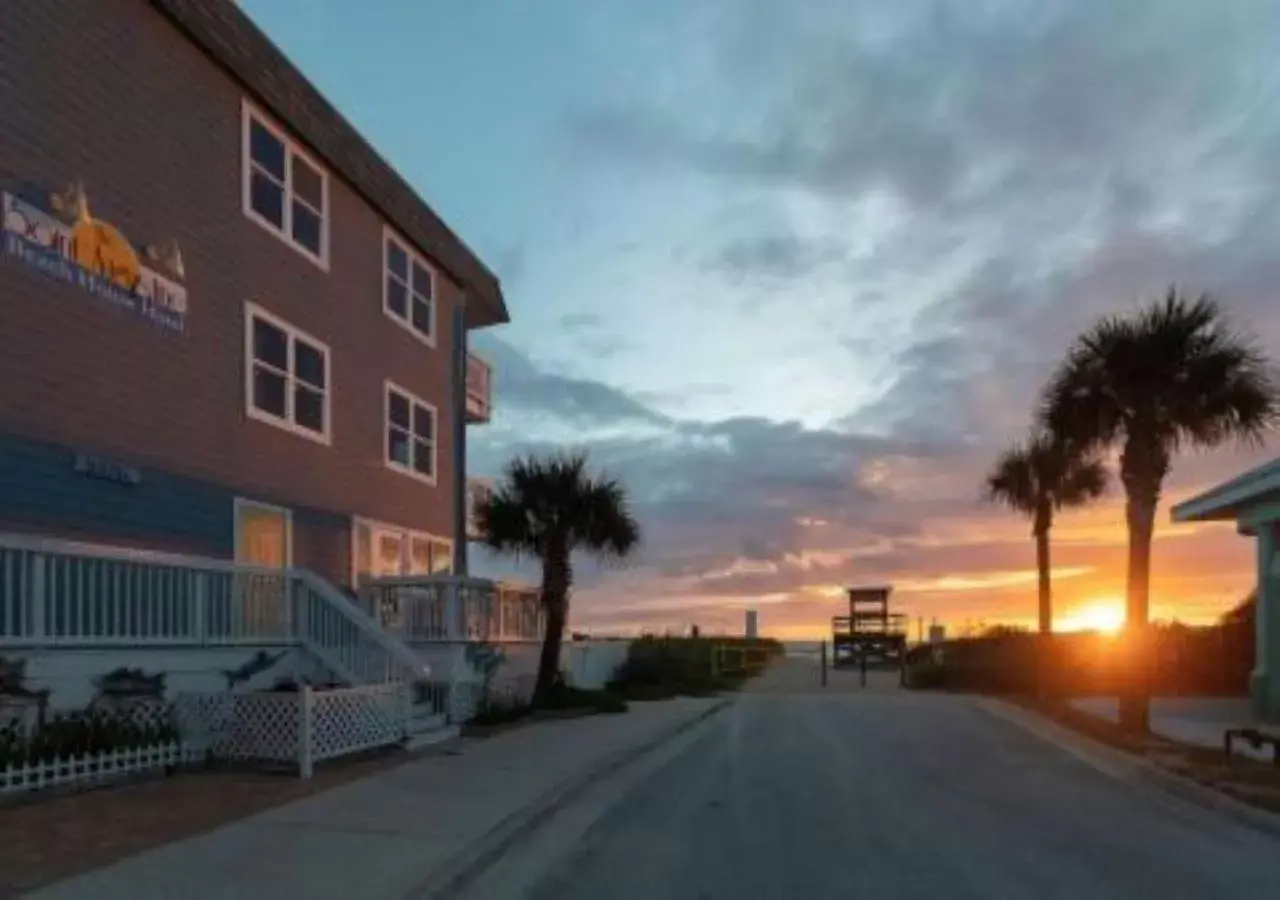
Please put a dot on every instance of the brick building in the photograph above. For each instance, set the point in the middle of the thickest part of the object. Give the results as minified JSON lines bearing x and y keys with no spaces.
{"x":228,"y":328}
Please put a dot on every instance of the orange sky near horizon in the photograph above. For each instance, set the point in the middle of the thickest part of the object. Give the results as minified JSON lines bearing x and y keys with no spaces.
{"x":1199,"y":571}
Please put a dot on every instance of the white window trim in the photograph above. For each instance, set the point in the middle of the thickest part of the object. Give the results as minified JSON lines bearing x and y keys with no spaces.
{"x":240,"y":503}
{"x":254,"y":311}
{"x":248,"y":113}
{"x":387,"y":388}
{"x":388,"y":235}
{"x":407,"y":536}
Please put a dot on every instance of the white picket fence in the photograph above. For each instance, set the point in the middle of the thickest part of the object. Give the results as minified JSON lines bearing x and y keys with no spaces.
{"x":95,"y":768}
{"x":296,"y":729}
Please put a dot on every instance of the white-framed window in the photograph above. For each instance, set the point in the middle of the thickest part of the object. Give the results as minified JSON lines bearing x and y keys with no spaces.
{"x":287,"y":375}
{"x":408,"y":288}
{"x":410,"y":434}
{"x":380,"y":550}
{"x":285,"y":190}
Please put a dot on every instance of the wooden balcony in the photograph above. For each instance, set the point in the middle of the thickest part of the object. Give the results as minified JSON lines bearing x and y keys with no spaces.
{"x":479,"y":389}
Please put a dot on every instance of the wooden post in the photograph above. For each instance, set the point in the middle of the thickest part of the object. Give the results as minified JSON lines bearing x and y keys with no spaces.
{"x":305,"y":762}
{"x":824,"y":663}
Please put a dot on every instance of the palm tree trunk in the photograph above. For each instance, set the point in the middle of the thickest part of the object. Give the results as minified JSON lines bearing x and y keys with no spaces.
{"x":556,"y":578}
{"x":1045,"y":585}
{"x":1045,"y":605}
{"x":549,"y":659}
{"x":1135,"y":699}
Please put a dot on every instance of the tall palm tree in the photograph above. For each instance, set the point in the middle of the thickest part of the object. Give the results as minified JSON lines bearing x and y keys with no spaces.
{"x":548,"y":508}
{"x":1170,"y":376}
{"x":1037,"y":479}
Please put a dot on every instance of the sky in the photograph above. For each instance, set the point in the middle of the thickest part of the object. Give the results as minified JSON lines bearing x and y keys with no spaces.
{"x":795,"y":272}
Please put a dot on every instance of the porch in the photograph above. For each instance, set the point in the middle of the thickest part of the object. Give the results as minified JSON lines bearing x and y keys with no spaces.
{"x":75,"y":619}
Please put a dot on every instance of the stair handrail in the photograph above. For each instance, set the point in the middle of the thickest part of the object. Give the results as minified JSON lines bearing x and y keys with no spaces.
{"x":417,"y":668}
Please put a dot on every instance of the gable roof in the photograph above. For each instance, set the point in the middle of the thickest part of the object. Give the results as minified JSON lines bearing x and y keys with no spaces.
{"x":227,"y":35}
{"x":1227,"y":500}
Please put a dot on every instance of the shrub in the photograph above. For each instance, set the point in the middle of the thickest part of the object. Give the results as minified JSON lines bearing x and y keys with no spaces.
{"x":499,"y":711}
{"x":563,"y":696}
{"x":1182,"y":660}
{"x":84,"y":734}
{"x":661,"y":667}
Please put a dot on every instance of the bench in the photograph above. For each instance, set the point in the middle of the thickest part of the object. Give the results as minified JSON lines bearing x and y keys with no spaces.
{"x":1255,"y":738}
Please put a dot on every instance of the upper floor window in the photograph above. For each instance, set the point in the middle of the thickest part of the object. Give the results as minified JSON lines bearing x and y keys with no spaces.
{"x":408,"y":288}
{"x":286,"y":375}
{"x":285,"y":191}
{"x":411,"y":434}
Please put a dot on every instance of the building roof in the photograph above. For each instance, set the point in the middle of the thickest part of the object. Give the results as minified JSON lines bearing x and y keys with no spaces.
{"x":224,"y":32}
{"x":1227,"y":500}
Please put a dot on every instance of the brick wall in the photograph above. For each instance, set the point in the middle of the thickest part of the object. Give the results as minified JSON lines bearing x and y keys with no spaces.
{"x":110,"y":93}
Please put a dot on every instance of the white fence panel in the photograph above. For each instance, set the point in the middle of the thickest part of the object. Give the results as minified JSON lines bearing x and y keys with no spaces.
{"x":352,"y":720}
{"x":95,"y":768}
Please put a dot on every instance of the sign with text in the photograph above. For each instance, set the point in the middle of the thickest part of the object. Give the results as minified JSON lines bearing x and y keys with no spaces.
{"x":95,"y":257}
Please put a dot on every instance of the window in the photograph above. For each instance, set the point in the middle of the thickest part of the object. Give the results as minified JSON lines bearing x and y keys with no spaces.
{"x":411,"y":434}
{"x":382,"y":550}
{"x":284,"y":190}
{"x":286,"y":375}
{"x":408,"y":289}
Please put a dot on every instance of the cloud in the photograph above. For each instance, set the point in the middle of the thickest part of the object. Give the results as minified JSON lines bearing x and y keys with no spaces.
{"x":784,"y":256}
{"x":523,"y":386}
{"x":961,"y":188}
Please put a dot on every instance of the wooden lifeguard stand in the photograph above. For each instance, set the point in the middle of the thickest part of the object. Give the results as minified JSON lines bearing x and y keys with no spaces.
{"x":870,"y":631}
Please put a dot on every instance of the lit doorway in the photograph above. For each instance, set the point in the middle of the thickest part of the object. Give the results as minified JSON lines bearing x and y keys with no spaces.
{"x":263,"y":540}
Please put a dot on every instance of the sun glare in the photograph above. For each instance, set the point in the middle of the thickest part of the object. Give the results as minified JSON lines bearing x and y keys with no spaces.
{"x":1099,"y":615}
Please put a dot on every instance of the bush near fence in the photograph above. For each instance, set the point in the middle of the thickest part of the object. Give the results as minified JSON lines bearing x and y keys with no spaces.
{"x":85,"y":748}
{"x":661,"y":667}
{"x":1181,"y":661}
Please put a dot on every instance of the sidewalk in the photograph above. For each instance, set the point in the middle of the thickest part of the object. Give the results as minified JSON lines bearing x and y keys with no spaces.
{"x":1197,"y":721}
{"x":395,"y":833}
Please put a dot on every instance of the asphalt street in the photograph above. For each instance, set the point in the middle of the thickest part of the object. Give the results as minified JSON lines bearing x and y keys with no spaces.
{"x":798,"y":793}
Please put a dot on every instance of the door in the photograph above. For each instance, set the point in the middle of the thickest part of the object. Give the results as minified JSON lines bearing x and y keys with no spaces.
{"x":264,"y":538}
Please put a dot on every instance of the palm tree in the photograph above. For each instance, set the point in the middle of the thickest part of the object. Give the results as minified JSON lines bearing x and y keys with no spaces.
{"x":548,"y":508}
{"x":1037,"y":479}
{"x":1170,"y":376}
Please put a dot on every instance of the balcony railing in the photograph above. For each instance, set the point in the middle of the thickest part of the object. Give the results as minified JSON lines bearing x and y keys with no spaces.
{"x":439,"y":608}
{"x":478,"y":489}
{"x":479,"y":389}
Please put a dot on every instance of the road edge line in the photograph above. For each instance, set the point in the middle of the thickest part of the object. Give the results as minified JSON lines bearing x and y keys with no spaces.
{"x":481,"y":854}
{"x":1124,"y":766}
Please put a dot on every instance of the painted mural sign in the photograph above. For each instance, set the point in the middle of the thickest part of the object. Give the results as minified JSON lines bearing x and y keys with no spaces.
{"x":64,"y":242}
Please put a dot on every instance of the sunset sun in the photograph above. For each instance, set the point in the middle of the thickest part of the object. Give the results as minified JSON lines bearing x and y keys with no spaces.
{"x":1104,"y":614}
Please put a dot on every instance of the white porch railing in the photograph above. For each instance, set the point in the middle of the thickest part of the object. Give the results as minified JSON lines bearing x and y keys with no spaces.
{"x":419,"y":608}
{"x":60,"y":593}
{"x":56,"y":593}
{"x":347,"y":639}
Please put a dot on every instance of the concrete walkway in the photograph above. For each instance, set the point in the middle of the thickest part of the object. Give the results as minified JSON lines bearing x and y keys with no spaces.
{"x":1196,"y":721}
{"x":398,"y":833}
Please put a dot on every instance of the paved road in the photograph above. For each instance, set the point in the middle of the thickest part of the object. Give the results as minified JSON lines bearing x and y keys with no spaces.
{"x":796,"y":794}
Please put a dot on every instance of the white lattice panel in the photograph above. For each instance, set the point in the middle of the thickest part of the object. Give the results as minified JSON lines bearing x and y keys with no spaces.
{"x":355,"y":719}
{"x":261,"y":727}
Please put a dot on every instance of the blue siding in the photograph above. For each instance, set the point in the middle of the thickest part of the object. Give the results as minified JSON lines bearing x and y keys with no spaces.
{"x":40,"y":487}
